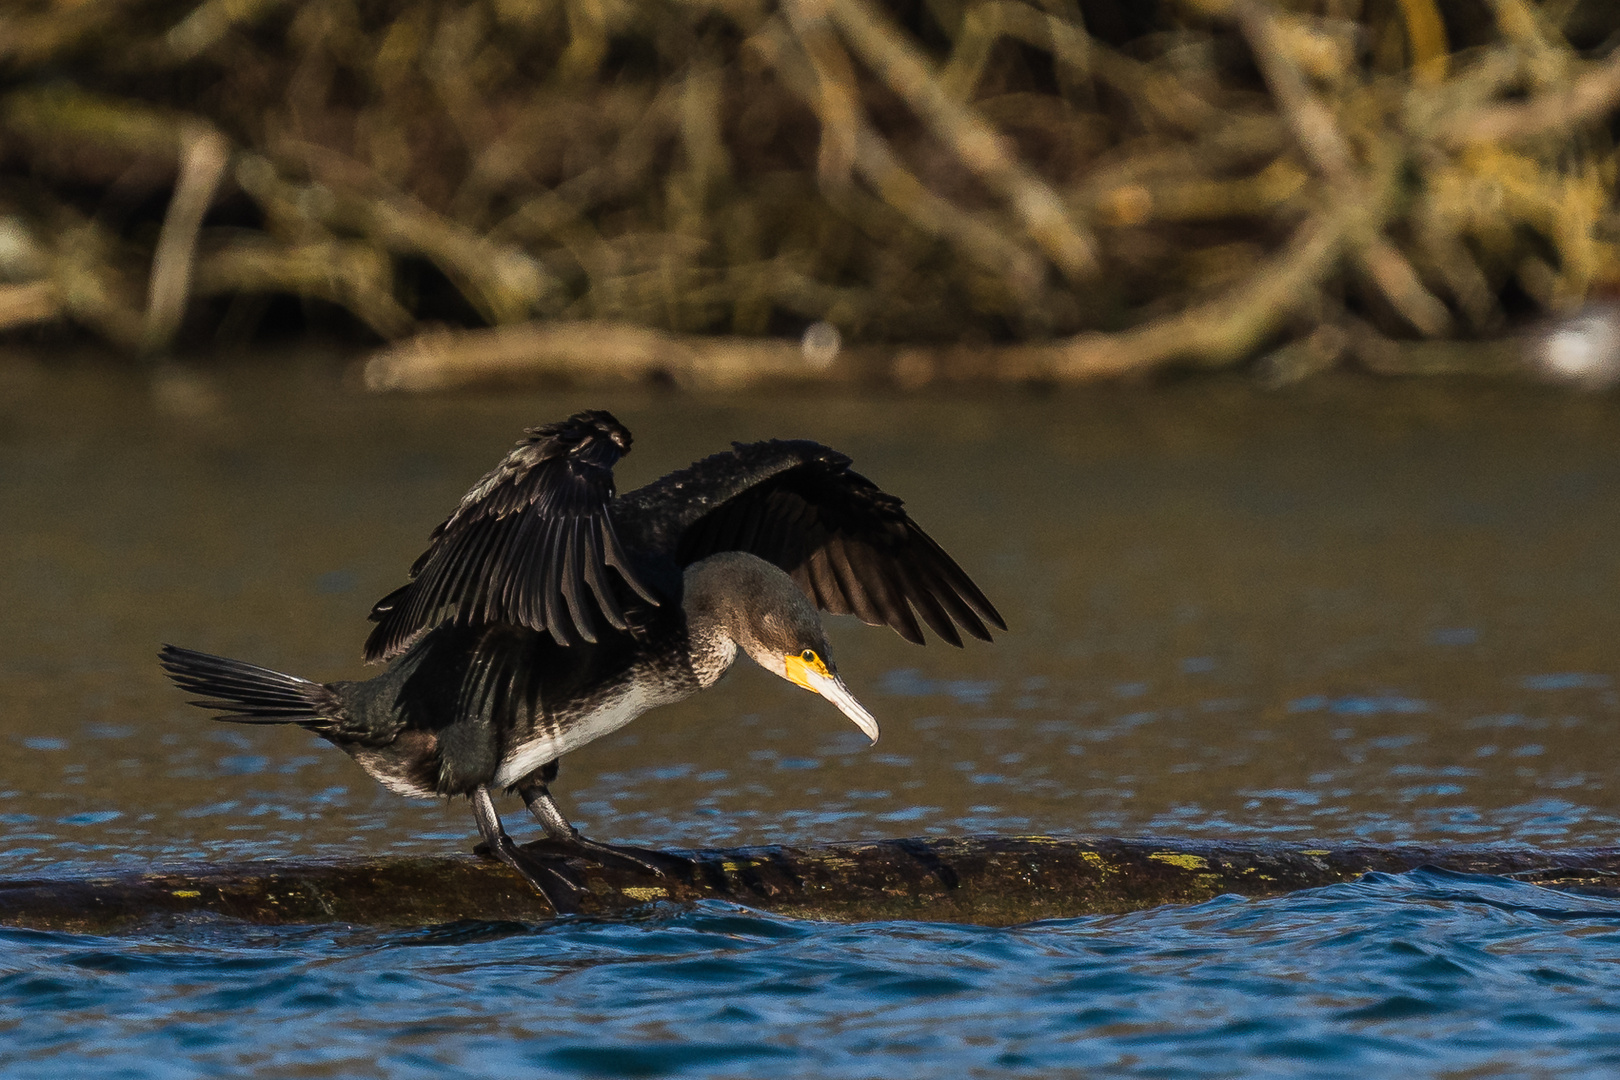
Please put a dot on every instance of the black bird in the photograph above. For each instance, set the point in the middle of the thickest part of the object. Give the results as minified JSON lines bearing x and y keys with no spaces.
{"x":547,"y":612}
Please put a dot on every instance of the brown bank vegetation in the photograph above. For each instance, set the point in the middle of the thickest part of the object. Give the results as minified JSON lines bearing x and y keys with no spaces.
{"x":1052,"y":190}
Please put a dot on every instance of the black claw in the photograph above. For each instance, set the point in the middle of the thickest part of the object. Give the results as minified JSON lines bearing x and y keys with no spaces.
{"x":637,"y":860}
{"x":548,"y":875}
{"x":552,"y":878}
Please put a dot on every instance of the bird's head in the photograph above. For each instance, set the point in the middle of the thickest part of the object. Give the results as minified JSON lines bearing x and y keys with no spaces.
{"x":761,"y":609}
{"x":811,"y":668}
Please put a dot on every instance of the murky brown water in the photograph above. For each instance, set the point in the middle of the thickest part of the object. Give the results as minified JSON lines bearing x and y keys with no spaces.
{"x":1371,"y":611}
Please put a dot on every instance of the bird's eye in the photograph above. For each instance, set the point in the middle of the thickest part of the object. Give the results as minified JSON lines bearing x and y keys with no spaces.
{"x":809,"y":656}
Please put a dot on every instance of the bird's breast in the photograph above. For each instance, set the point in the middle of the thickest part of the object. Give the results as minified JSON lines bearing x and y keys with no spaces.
{"x":587,"y":721}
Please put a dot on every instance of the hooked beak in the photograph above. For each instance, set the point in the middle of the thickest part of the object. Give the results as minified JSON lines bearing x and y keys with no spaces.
{"x":833,"y":689}
{"x":817,"y":678}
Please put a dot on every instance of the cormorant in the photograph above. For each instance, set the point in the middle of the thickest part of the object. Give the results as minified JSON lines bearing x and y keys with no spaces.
{"x":548,"y":611}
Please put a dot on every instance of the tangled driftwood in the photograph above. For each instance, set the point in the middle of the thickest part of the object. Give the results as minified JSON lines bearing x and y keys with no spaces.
{"x":1187,"y":182}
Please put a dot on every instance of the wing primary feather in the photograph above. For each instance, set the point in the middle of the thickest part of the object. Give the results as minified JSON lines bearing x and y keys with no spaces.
{"x":534,"y":568}
{"x":868,"y":566}
{"x":482,"y":566}
{"x":849,"y":583}
{"x":557,"y":618}
{"x":597,"y":579}
{"x":801,"y":577}
{"x":547,"y":576}
{"x":954,"y":575}
{"x":421,"y":595}
{"x":829,"y":592}
{"x":780,"y":536}
{"x":422,"y":603}
{"x":521,"y":561}
{"x":511,"y":577}
{"x":613,"y":555}
{"x":788,"y":530}
{"x":384,"y":607}
{"x":443,"y":579}
{"x":525,"y":580}
{"x":813,"y":583}
{"x":499,"y":556}
{"x":928,"y":574}
{"x":573,"y":589}
{"x":509,"y":597}
{"x":928,"y":607}
{"x":440,"y":586}
{"x":850,"y":546}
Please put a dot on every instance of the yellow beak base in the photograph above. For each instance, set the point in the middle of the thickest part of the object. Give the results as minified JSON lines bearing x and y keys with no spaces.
{"x":814,"y":677}
{"x":799,"y":671}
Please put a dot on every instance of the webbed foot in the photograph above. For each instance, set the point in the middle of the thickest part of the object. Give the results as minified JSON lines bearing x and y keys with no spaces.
{"x":562,"y":837}
{"x":623,"y":856}
{"x":549,"y":876}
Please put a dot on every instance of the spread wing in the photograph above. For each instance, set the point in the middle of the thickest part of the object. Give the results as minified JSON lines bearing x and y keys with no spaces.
{"x":529,"y":545}
{"x":850,"y":546}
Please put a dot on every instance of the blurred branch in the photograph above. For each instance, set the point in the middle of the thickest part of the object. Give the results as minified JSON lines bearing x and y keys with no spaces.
{"x":1590,"y":98}
{"x":24,"y":305}
{"x":504,"y":282}
{"x":550,"y":212}
{"x":1316,"y":129}
{"x":210,"y":21}
{"x":90,"y":286}
{"x":981,"y":242}
{"x":351,"y":275}
{"x":910,"y":76}
{"x":203,"y":156}
{"x":1426,"y":34}
{"x":1214,"y":333}
{"x":1219,"y":331}
{"x":833,"y":97}
{"x":594,"y":349}
{"x":987,"y":23}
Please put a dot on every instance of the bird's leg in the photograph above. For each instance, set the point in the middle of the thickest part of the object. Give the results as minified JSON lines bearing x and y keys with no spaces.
{"x":536,"y":792}
{"x":537,"y":797}
{"x":560,"y":892}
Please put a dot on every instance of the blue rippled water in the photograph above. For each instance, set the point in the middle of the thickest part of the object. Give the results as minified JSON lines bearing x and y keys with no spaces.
{"x":1422,"y":974}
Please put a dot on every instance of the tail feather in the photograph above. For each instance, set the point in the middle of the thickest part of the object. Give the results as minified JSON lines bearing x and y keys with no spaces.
{"x":249,"y":694}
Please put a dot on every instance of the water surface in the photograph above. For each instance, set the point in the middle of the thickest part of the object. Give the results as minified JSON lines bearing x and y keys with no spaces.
{"x":1425,"y":974}
{"x":1350,"y":612}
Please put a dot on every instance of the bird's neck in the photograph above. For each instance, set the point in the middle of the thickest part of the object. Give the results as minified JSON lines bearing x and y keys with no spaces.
{"x":719,"y":595}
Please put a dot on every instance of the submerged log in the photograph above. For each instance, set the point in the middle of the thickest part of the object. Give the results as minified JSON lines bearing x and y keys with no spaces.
{"x":990,"y":880}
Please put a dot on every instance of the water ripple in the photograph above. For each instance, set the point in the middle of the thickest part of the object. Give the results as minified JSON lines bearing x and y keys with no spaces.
{"x":1430,"y":973}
